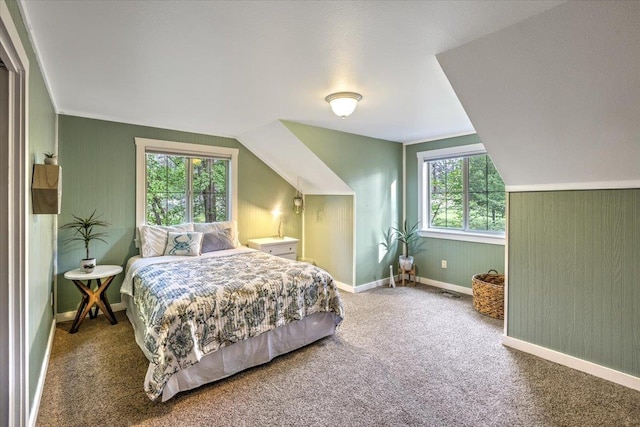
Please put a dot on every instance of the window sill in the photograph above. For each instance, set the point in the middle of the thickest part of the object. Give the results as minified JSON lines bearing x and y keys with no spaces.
{"x":464,"y":236}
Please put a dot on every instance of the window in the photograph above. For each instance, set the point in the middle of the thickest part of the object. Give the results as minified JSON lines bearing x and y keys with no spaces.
{"x":178,"y":182}
{"x":461,"y":195}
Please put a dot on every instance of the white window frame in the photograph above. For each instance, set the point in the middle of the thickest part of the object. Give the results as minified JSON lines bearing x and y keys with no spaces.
{"x":423,"y":197}
{"x":171,"y":147}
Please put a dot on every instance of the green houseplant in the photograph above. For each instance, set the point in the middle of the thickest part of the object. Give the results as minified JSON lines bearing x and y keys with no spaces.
{"x":406,"y":236}
{"x":85,"y":230}
{"x":50,"y":158}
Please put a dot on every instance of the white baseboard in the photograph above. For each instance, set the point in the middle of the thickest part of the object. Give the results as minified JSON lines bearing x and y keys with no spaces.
{"x":70,"y":315}
{"x":573,"y":362}
{"x":448,"y":286}
{"x":385,"y":282}
{"x":33,"y":412}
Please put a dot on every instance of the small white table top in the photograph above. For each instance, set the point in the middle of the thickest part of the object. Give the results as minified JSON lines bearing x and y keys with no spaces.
{"x":98,"y":273}
{"x":266,"y":241}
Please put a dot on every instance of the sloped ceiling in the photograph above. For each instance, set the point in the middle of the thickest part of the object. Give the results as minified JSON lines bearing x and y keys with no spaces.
{"x":556,"y":98}
{"x":275,"y":145}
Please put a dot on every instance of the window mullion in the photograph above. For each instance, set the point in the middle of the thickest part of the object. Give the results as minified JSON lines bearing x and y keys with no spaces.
{"x":465,"y":191}
{"x":189,"y":190}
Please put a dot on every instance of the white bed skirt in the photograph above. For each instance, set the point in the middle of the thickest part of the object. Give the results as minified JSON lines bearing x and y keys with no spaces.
{"x":242,"y":355}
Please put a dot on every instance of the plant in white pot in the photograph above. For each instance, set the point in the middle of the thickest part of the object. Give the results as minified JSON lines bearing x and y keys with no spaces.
{"x":406,"y":236}
{"x":50,"y":158}
{"x":84,"y":230}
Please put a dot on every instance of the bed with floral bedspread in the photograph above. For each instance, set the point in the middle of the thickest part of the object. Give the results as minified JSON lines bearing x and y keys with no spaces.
{"x":193,"y":307}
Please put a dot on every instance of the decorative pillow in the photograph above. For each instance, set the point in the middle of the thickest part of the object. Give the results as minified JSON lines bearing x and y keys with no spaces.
{"x":217,"y":241}
{"x":186,"y":243}
{"x":153,"y":238}
{"x":207,"y":227}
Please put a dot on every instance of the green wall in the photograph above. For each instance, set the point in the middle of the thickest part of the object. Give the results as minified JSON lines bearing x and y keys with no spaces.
{"x":41,"y":228}
{"x":464,"y":259}
{"x":574,"y":274}
{"x":98,"y":172}
{"x":373,"y":169}
{"x":328,"y":225}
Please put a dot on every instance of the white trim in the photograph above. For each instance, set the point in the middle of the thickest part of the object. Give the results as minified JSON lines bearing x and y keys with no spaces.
{"x":506,"y":265}
{"x":70,"y":315}
{"x":597,"y":185}
{"x":363,"y":288}
{"x":445,"y":285}
{"x":439,"y":138}
{"x":573,"y":362}
{"x":464,"y":236}
{"x":459,"y":151}
{"x":142,"y":144}
{"x":353,"y":251}
{"x":33,"y":416}
{"x":15,"y":265}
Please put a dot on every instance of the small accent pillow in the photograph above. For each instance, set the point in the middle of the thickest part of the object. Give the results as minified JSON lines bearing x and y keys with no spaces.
{"x":207,"y":227}
{"x":187,"y":243}
{"x":217,"y":241}
{"x":153,"y":238}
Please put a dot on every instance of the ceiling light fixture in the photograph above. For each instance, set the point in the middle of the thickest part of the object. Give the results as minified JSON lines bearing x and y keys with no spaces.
{"x":343,"y":103}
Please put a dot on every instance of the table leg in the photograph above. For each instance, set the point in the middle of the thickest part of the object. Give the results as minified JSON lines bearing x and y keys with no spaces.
{"x":103,"y":302}
{"x":90,"y":299}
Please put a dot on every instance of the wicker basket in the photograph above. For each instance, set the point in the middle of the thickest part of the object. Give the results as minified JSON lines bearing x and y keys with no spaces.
{"x":488,"y":294}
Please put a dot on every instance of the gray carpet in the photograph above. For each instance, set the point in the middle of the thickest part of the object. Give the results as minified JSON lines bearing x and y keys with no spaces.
{"x":403,"y":357}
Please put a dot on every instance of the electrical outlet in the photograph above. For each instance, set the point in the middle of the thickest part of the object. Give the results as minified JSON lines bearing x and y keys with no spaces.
{"x":444,"y":263}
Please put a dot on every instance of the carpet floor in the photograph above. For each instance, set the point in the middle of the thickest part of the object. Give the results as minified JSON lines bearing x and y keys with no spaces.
{"x":411,"y":356}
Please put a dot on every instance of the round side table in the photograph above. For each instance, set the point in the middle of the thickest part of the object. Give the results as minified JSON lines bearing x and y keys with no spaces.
{"x":103,"y":275}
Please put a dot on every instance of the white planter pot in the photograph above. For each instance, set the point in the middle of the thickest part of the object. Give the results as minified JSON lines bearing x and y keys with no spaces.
{"x":50,"y":160}
{"x":88,"y":265}
{"x":406,"y":262}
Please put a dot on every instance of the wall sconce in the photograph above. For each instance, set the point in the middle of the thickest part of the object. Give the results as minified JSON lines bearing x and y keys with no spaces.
{"x":277,"y":214}
{"x":298,"y":201}
{"x":343,"y":103}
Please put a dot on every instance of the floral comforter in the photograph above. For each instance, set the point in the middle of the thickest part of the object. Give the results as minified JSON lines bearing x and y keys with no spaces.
{"x":194,"y":307}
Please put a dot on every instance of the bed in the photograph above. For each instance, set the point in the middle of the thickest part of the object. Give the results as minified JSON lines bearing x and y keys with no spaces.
{"x":202,"y":318}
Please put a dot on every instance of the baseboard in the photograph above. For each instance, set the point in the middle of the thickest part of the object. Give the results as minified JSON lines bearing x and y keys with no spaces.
{"x":448,"y":286}
{"x":574,"y":363}
{"x":70,"y":315}
{"x":365,"y":287}
{"x":33,"y":412}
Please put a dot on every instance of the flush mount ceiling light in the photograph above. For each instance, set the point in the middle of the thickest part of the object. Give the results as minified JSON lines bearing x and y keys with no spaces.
{"x":343,"y":103}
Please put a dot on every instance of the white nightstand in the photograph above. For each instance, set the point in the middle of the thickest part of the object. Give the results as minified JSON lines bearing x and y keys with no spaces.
{"x":287,"y":247}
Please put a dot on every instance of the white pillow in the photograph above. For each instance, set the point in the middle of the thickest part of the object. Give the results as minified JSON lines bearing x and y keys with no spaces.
{"x":153,"y":238}
{"x":183,"y":243}
{"x":208,"y":227}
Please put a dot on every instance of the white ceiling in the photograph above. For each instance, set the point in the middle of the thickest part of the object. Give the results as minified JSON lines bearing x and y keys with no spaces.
{"x":227,"y":68}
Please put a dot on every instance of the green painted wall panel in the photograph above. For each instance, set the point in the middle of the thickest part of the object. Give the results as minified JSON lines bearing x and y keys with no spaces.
{"x":41,"y":228}
{"x":373,"y":169}
{"x":98,"y":172}
{"x":464,"y":259}
{"x":328,"y":222}
{"x":574,"y":274}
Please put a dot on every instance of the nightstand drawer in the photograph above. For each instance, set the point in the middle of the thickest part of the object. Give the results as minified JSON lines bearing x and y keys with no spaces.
{"x":286,"y":247}
{"x":280,"y":249}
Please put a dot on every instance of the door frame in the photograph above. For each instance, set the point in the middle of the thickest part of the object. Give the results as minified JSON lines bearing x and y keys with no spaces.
{"x":13,"y":262}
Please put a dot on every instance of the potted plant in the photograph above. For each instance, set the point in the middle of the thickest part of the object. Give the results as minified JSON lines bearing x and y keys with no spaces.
{"x":406,"y":236}
{"x":50,"y":158}
{"x":84,"y":230}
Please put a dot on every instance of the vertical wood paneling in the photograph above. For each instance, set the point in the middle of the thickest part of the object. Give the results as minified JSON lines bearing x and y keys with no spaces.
{"x":573,"y":274}
{"x":329,"y":234}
